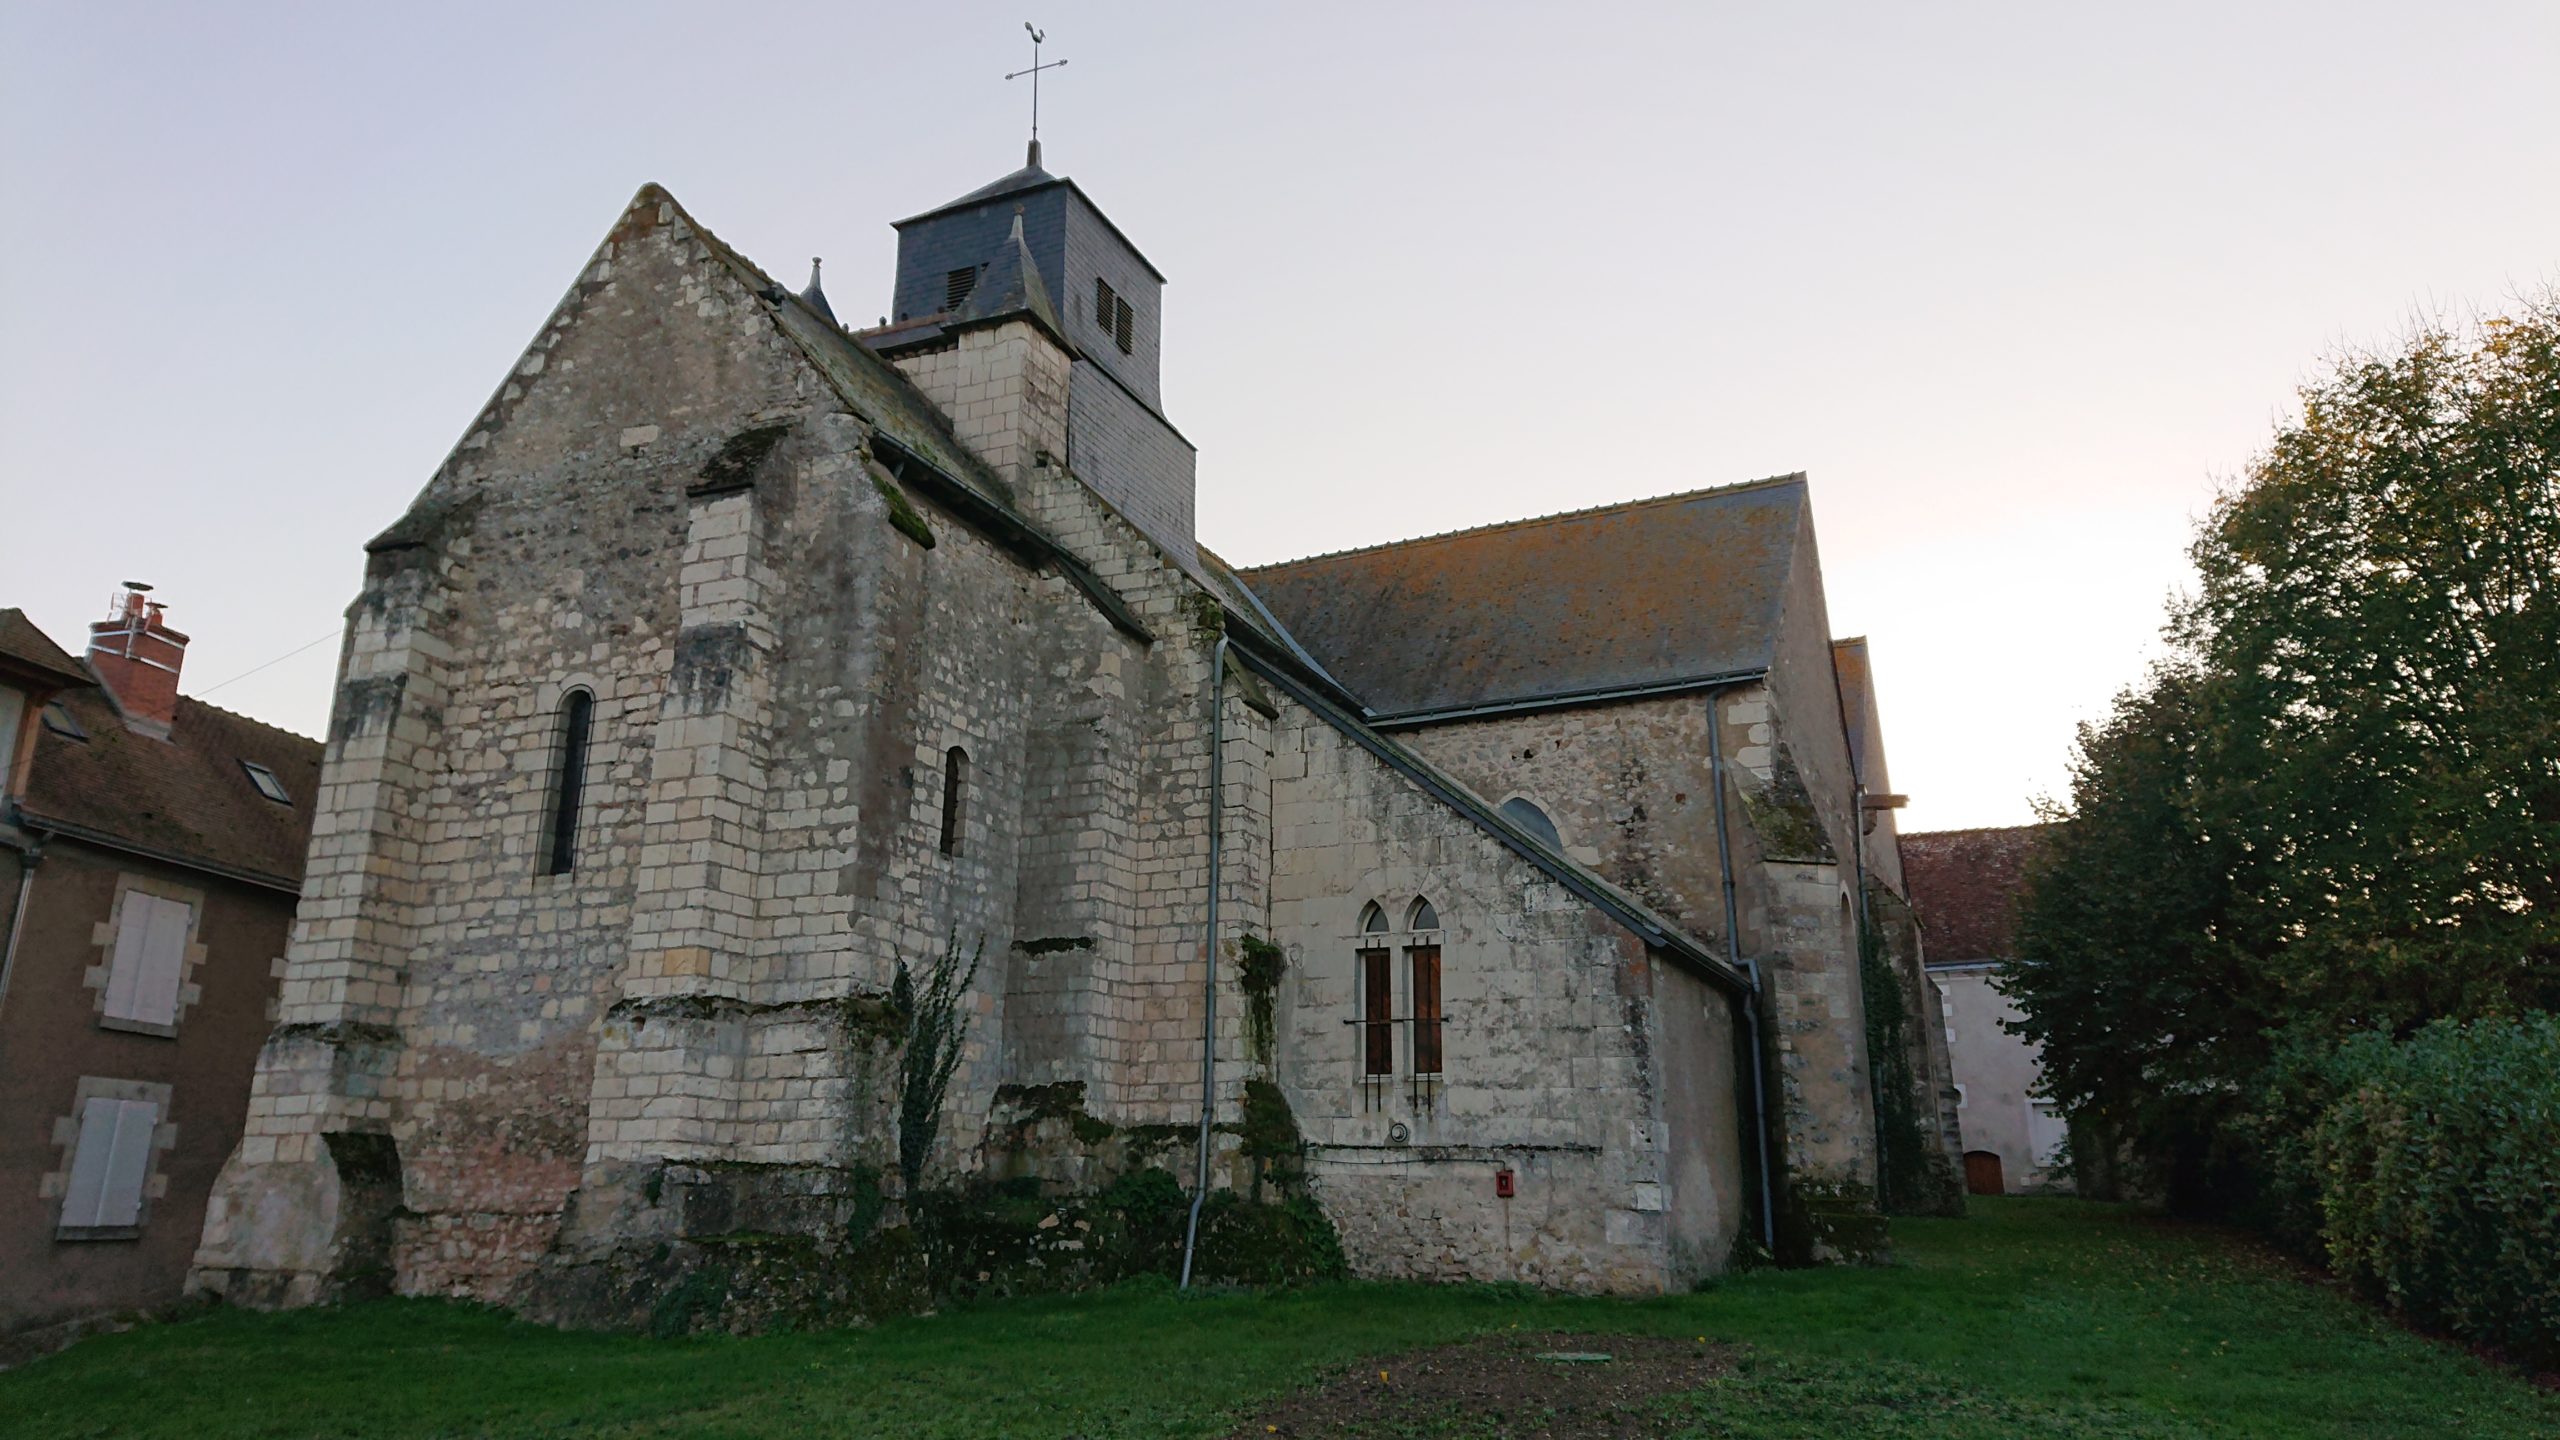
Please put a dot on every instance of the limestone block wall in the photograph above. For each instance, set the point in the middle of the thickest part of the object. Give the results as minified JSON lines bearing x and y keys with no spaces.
{"x":446,"y":993}
{"x":1555,"y":1051}
{"x":1799,"y":924}
{"x":1629,"y":786}
{"x":1113,"y":886}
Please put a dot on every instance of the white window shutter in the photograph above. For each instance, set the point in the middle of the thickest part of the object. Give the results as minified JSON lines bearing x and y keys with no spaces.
{"x":155,"y":997}
{"x":124,"y":973}
{"x":89,"y":1162}
{"x":129,"y":1163}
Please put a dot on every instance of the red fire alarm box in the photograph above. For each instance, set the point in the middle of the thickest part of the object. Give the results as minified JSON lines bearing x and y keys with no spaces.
{"x":1505,"y":1184}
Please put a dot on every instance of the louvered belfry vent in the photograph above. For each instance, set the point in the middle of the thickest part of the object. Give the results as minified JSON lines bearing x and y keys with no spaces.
{"x":956,"y":286}
{"x":1102,"y":301}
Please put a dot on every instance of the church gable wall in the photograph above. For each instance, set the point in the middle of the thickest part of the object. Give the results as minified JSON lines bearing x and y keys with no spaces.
{"x":575,"y":511}
{"x":1553,"y":1054}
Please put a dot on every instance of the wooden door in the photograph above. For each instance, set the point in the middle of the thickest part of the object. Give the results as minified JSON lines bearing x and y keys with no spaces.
{"x":1982,"y":1173}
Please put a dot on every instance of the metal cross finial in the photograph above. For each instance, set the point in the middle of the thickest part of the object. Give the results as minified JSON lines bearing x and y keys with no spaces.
{"x":1034,"y":72}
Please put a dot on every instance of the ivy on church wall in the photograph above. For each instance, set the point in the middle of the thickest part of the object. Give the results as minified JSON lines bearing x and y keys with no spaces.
{"x":1913,"y":1174}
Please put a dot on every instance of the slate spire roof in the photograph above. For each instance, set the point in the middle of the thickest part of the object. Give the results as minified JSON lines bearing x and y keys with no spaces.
{"x":1012,"y":286}
{"x":814,"y":297}
{"x":1029,"y":177}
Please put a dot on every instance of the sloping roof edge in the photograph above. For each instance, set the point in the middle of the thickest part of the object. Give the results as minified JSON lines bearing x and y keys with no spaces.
{"x":1676,"y":497}
{"x":105,"y":840}
{"x":1001,"y":189}
{"x":1638,"y":920}
{"x":25,"y":647}
{"x":957,"y":478}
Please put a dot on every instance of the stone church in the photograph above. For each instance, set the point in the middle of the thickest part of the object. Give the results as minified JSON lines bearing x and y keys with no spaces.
{"x":735,"y":658}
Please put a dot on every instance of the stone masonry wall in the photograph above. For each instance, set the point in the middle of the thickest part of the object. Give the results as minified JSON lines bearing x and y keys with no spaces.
{"x":489,"y":1076}
{"x":1630,"y":788}
{"x":1553,"y":1066}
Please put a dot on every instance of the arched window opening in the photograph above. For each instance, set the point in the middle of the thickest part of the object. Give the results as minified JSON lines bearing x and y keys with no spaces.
{"x":1377,"y":1018}
{"x":1422,"y":916}
{"x":1525,"y":814}
{"x":955,"y":785}
{"x":1425,"y":964}
{"x":568,"y":782}
{"x":1373,"y":921}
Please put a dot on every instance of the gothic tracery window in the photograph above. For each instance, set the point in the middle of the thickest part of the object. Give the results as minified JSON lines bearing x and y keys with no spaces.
{"x":1401,"y":1018}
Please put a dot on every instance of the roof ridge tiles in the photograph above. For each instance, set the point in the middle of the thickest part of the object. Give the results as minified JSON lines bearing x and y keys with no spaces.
{"x":1794,"y":477}
{"x":203,"y":704}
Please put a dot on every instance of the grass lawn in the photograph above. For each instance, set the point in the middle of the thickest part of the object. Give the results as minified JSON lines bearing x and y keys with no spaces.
{"x":2031,"y":1317}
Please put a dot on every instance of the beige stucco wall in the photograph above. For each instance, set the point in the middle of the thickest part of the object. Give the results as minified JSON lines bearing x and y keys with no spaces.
{"x":1997,"y":1073}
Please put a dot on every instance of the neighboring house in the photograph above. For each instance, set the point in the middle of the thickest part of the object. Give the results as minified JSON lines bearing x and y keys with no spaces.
{"x":1966,"y":886}
{"x":734,"y":659}
{"x":150,"y":851}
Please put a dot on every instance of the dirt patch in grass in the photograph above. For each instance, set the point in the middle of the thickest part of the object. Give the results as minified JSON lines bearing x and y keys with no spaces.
{"x":1513,"y":1386}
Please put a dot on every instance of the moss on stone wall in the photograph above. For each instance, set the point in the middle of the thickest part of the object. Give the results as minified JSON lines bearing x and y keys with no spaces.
{"x":990,"y":1238}
{"x":903,"y":514}
{"x":1783,"y":816}
{"x":1208,"y":617}
{"x":1269,"y":1140}
{"x":1062,"y":1100}
{"x":1913,"y":1173}
{"x":1258,"y":972}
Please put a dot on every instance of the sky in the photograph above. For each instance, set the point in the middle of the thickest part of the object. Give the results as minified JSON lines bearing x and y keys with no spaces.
{"x":2017,"y":286}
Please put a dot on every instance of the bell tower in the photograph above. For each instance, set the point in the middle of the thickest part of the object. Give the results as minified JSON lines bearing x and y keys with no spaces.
{"x":959,"y":265}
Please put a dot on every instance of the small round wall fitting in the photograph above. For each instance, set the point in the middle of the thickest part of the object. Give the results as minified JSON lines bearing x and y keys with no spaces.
{"x":1397,"y":1134}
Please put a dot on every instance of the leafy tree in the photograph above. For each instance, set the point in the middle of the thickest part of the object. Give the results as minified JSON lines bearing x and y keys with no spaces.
{"x":2336,"y":809}
{"x":2379,"y":617}
{"x":2123,"y":973}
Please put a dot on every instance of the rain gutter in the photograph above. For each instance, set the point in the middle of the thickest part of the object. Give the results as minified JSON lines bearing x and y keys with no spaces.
{"x":1592,"y":695}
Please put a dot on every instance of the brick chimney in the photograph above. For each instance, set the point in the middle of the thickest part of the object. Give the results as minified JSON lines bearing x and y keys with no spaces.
{"x":137,"y":657}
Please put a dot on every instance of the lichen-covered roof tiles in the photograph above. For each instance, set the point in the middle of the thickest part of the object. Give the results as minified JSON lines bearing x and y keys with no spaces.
{"x":185,"y":798}
{"x":32,"y":653}
{"x":1659,"y":592}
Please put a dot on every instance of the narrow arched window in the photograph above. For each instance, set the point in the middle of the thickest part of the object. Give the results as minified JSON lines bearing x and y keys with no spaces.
{"x":955,"y":799}
{"x":1373,"y":921}
{"x":1525,"y":813}
{"x":1422,"y":916}
{"x":568,"y":782}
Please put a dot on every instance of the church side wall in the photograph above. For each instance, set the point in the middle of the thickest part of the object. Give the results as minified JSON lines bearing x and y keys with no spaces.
{"x":1630,"y":788}
{"x":1808,"y":835}
{"x":1553,"y":1065}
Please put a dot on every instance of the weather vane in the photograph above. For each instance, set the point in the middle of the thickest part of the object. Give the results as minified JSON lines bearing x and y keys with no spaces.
{"x":1034,"y":73}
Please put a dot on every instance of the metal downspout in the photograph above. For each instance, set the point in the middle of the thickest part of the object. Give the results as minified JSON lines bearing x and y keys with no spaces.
{"x":1858,"y":944}
{"x":1751,"y":968}
{"x":1209,"y":950}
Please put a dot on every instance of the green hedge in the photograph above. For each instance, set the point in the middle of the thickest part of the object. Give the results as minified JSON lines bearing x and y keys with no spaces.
{"x":2438,"y":1164}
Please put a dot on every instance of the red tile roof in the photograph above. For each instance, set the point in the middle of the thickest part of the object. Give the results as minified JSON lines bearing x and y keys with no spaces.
{"x":1965,"y":886}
